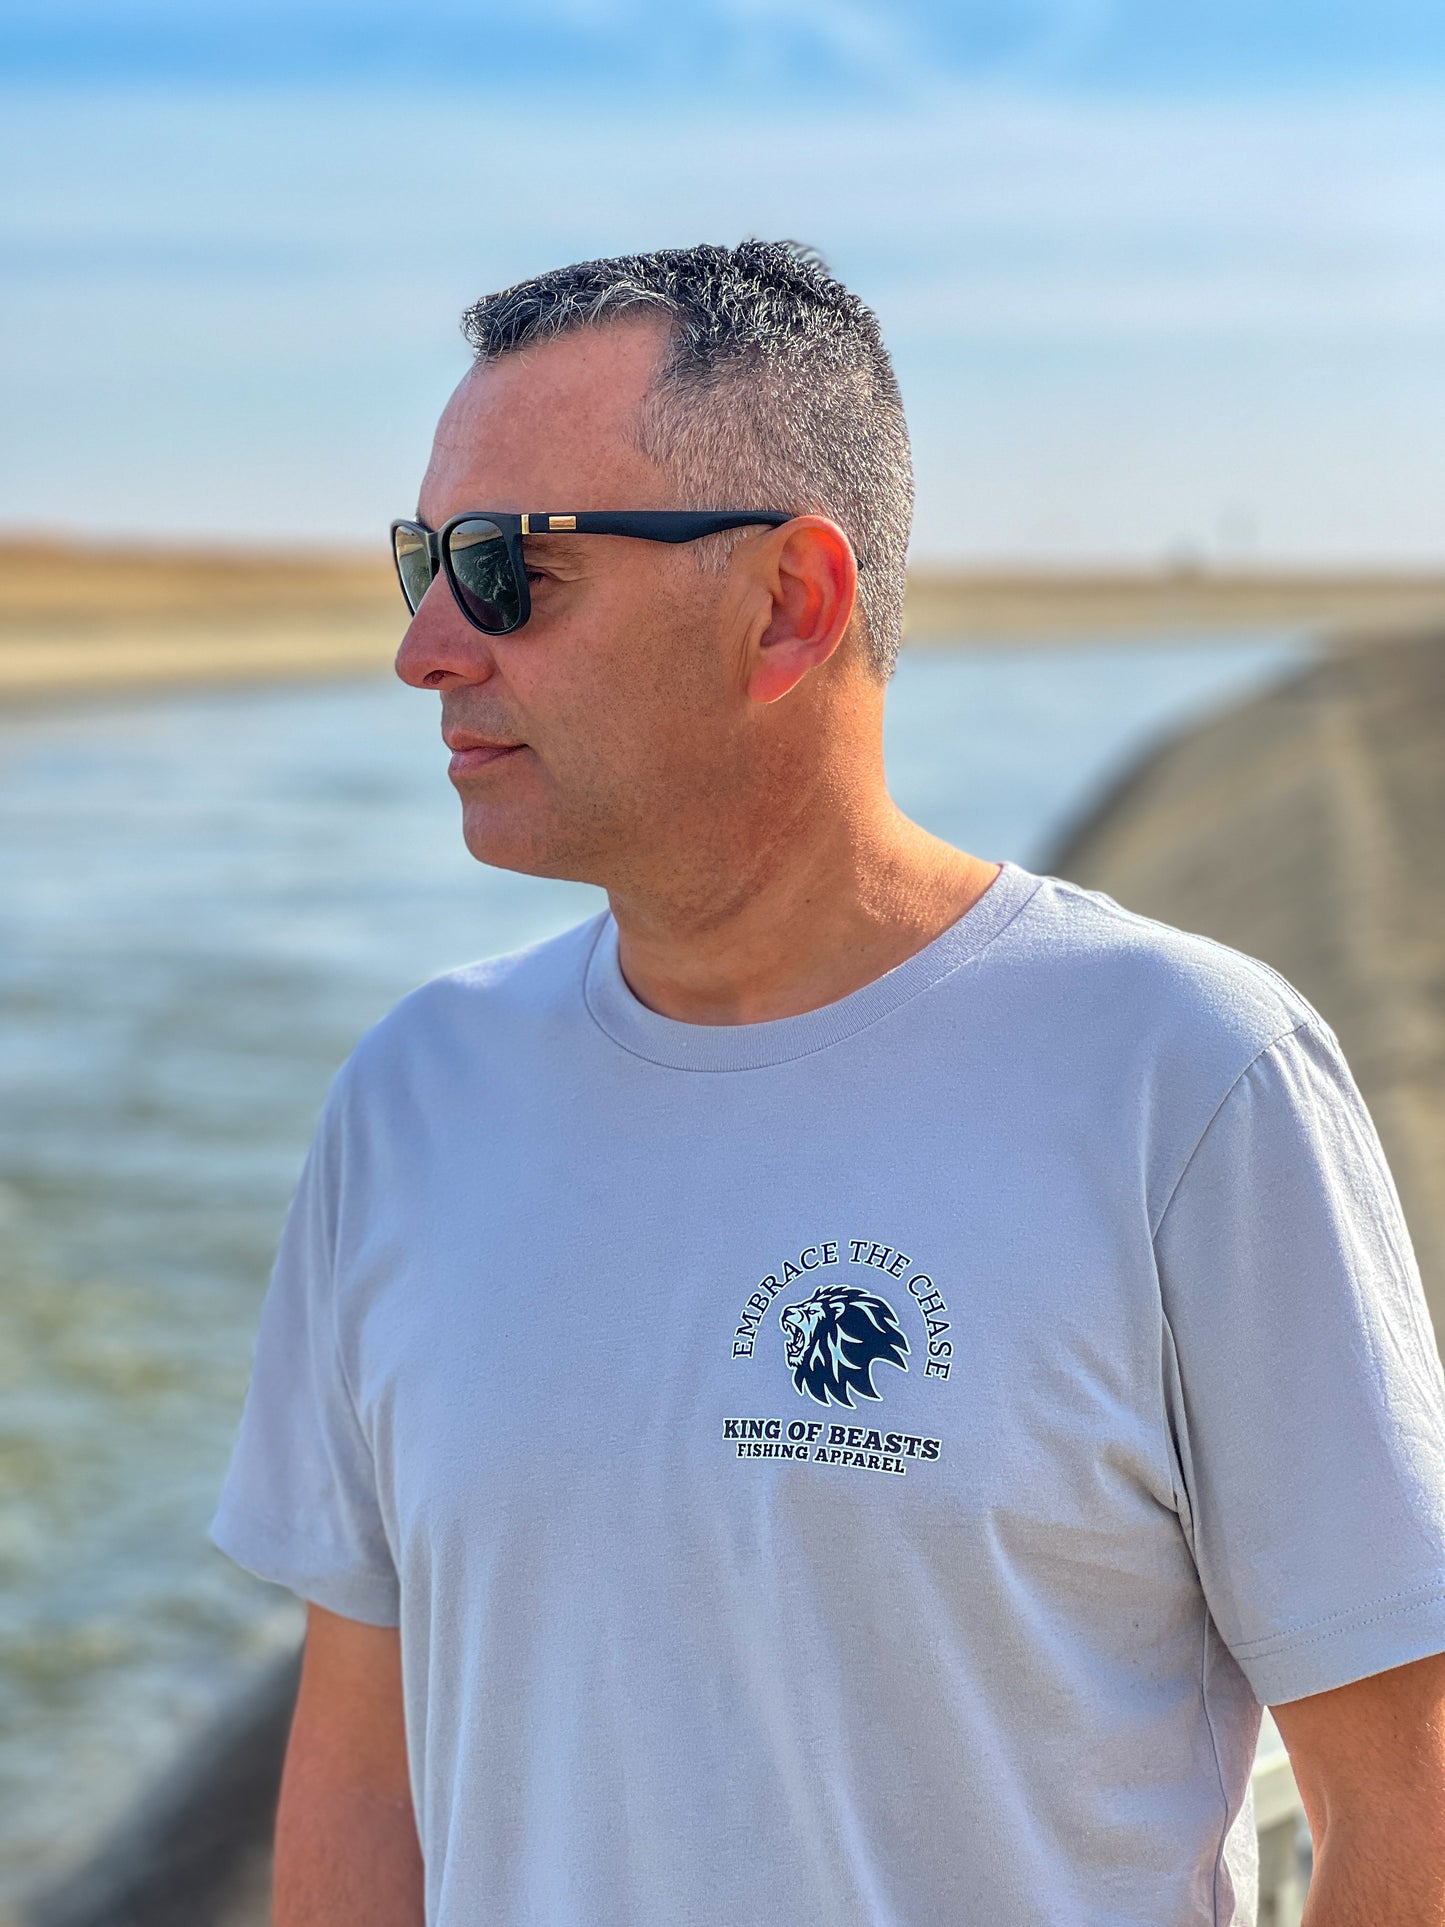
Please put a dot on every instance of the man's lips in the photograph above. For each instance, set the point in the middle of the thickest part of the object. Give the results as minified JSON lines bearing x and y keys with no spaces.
{"x":475,"y":752}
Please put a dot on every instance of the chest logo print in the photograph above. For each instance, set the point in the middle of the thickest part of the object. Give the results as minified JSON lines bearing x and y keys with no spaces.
{"x":835,"y":1338}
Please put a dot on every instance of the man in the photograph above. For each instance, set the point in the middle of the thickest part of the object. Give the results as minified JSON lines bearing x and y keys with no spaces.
{"x":832,"y":1392}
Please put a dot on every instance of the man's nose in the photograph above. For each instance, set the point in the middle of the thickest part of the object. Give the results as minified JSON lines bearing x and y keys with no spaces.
{"x":440,"y":648}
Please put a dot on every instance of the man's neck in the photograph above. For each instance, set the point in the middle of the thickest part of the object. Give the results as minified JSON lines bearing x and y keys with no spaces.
{"x":802,"y":930}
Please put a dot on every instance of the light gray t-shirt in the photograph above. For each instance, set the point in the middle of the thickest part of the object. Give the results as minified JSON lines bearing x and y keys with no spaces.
{"x":868,"y":1467}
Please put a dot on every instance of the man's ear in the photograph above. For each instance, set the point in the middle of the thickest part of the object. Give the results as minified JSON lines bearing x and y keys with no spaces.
{"x":811,"y":574}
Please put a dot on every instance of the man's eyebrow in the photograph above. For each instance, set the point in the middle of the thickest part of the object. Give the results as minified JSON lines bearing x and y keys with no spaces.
{"x":555,"y":545}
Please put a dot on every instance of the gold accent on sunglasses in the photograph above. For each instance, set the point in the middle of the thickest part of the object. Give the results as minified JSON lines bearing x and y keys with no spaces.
{"x":526,"y":523}
{"x":561,"y":522}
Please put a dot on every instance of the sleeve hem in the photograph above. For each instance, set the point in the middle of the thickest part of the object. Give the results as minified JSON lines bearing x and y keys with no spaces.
{"x":1350,"y":1646}
{"x":369,"y":1596}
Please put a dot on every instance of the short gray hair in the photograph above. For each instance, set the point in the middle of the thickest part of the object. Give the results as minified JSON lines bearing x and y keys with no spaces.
{"x":777,"y":392}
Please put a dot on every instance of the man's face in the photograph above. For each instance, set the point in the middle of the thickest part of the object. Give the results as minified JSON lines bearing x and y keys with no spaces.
{"x":621,"y":693}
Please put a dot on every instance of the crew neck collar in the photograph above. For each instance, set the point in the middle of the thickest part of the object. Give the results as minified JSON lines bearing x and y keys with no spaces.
{"x":743,"y":1047}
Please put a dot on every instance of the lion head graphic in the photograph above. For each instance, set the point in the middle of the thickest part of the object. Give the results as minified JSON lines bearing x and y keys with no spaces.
{"x":834,"y":1339}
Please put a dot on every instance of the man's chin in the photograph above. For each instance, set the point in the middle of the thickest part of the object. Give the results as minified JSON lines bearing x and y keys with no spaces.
{"x":515,"y":846}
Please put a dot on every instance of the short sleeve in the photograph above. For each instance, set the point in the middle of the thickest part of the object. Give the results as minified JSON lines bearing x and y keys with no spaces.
{"x":1305,"y":1387}
{"x":299,"y":1502}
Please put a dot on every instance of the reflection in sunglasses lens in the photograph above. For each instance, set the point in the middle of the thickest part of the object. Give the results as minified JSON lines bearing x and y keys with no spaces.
{"x":482,"y":567}
{"x":413,"y":565}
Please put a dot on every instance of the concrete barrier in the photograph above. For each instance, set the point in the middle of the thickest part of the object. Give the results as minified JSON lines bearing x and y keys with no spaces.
{"x":196,"y":1851}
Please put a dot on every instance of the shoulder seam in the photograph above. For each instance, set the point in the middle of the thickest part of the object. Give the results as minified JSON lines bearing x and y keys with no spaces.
{"x":1304,"y":1023}
{"x":1292,"y":998}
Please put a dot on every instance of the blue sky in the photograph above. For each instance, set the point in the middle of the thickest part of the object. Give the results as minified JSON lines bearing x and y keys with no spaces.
{"x":1178,"y":45}
{"x":1156,"y":276}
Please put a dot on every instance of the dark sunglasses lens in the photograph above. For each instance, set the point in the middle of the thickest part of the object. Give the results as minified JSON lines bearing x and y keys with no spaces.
{"x":413,"y":565}
{"x":486,"y":582}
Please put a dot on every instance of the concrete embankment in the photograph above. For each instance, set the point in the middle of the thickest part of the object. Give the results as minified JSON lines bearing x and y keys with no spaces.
{"x":196,"y":1849}
{"x":1307,"y":827}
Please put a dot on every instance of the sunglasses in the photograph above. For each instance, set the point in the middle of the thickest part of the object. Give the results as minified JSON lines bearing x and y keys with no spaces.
{"x":480,"y":553}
